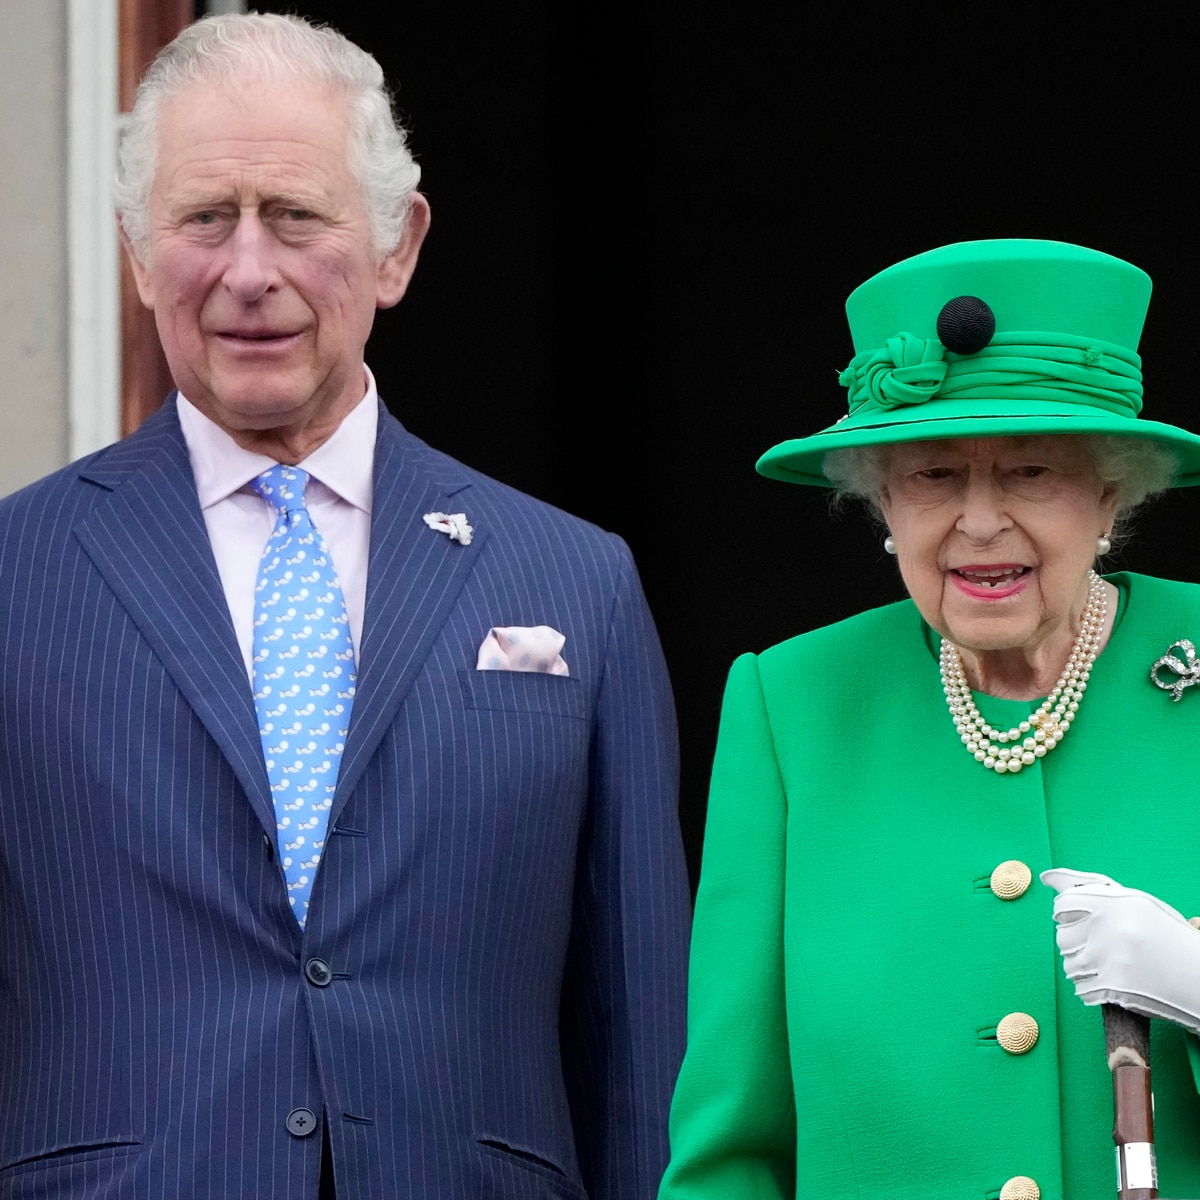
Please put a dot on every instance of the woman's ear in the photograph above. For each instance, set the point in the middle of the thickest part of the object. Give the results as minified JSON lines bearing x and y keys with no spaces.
{"x":883,"y":504}
{"x":1108,"y":502}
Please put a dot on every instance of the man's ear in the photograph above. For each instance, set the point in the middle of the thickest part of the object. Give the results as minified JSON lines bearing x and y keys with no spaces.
{"x":397,"y":268}
{"x":141,"y":276}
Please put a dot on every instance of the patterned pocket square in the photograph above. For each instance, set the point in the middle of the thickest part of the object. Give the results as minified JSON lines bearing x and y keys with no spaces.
{"x":518,"y":648}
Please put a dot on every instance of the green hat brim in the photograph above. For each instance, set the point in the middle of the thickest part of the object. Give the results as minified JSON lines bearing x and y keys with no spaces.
{"x":799,"y":460}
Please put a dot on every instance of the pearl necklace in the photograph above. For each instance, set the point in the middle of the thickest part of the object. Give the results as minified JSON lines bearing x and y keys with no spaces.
{"x":1047,"y":725}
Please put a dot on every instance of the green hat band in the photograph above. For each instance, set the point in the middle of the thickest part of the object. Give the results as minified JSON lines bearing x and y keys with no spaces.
{"x":1026,"y":366}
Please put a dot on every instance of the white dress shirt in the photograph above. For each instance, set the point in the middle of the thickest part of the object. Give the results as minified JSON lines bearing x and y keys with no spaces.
{"x":240,"y":521}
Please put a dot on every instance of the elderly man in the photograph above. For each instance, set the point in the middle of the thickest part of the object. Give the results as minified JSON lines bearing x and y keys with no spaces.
{"x":337,"y":780}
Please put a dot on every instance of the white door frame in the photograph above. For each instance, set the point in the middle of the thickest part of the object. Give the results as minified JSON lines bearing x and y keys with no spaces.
{"x":94,"y":306}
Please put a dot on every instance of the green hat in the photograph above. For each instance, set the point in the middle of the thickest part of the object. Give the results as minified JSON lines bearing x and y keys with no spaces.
{"x":1000,"y":338}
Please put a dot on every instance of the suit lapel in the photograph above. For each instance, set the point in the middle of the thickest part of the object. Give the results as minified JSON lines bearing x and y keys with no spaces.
{"x":414,"y":575}
{"x":149,"y":542}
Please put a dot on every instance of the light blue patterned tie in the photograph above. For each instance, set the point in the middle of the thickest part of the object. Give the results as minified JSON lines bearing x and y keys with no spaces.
{"x":303,"y":678}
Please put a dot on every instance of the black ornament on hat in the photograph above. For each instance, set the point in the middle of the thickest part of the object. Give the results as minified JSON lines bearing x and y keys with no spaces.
{"x":965,"y":325}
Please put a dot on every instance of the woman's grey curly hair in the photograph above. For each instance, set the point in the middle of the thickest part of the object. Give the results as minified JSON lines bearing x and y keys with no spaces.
{"x":240,"y":47}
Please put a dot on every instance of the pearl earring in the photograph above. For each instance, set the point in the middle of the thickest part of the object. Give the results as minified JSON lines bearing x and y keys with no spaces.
{"x":1103,"y":544}
{"x":889,"y":544}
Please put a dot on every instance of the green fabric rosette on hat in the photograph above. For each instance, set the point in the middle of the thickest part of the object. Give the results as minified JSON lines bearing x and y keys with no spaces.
{"x":1000,"y":338}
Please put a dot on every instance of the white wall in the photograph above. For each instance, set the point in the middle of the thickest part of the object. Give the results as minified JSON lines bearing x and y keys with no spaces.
{"x":34,"y":368}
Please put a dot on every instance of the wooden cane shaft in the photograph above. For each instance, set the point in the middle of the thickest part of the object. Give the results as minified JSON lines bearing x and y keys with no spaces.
{"x":1127,"y":1041}
{"x":1133,"y":1133}
{"x":1133,"y":1106}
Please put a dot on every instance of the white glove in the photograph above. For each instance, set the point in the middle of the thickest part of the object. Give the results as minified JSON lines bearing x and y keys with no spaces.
{"x":1122,"y":946}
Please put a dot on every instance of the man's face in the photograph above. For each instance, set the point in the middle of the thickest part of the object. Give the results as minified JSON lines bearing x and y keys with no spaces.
{"x":261,"y":273}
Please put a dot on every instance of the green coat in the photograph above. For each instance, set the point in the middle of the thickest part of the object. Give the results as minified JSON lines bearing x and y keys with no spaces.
{"x":850,"y":960}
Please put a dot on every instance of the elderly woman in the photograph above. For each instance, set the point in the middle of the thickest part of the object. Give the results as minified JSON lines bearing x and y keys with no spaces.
{"x":878,"y":1008}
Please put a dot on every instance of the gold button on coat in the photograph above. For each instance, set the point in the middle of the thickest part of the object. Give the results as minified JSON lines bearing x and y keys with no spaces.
{"x":1020,"y":1187}
{"x":1017,"y":1033}
{"x":1011,"y":879}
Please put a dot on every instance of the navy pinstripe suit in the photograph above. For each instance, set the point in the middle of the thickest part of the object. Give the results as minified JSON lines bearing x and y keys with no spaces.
{"x":487,"y":1001}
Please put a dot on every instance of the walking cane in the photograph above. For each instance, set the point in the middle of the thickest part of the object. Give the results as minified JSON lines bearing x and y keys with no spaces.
{"x":1127,"y":1041}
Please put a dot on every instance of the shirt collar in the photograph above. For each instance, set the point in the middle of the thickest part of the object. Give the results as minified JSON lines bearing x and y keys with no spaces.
{"x":343,"y":463}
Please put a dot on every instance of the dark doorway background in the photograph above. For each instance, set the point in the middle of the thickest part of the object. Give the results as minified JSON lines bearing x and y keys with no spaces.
{"x":646,"y":220}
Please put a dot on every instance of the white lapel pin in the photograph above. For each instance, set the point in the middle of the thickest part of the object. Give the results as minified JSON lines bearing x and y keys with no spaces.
{"x":453,"y":524}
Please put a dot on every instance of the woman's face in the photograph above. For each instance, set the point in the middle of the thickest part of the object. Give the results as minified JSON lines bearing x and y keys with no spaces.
{"x":994,"y":536}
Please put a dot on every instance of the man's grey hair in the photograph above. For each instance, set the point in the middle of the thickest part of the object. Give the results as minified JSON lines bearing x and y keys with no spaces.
{"x":1138,"y":467}
{"x":237,"y":48}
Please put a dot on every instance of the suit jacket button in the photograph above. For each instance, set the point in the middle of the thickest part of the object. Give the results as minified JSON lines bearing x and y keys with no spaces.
{"x":318,"y":972}
{"x":1011,"y":879}
{"x":1020,"y":1187}
{"x":1017,"y":1033}
{"x":301,"y":1122}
